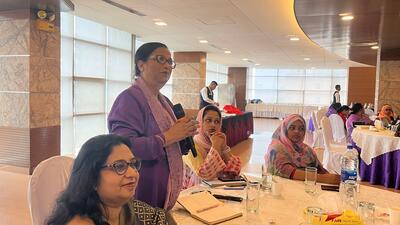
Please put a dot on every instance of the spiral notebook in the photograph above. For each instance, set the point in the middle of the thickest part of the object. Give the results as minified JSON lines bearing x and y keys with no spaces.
{"x":206,"y":208}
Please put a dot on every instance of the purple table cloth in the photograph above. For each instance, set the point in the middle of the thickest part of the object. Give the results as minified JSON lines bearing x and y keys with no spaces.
{"x":384,"y":169}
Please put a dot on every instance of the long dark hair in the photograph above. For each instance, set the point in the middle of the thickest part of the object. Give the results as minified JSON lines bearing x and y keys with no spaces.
{"x":80,"y":197}
{"x":143,"y":53}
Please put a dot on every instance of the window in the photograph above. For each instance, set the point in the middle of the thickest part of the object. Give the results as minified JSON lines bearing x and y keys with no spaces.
{"x":296,"y":86}
{"x":218,"y":73}
{"x":96,"y":65}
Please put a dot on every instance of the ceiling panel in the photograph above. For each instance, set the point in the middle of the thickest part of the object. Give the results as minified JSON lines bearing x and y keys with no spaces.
{"x":256,"y":29}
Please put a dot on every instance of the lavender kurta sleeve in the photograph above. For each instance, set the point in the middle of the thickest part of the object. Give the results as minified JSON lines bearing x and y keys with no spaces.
{"x":131,"y":117}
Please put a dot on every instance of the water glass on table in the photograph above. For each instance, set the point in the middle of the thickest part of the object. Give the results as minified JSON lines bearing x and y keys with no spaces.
{"x":266,"y":175}
{"x":349,"y":194}
{"x":366,"y":210}
{"x":252,"y":196}
{"x":314,"y":216}
{"x":310,"y":180}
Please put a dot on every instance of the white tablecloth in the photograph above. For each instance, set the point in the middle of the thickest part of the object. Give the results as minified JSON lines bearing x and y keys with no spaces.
{"x":288,"y":208}
{"x":374,"y":143}
{"x":279,"y":110}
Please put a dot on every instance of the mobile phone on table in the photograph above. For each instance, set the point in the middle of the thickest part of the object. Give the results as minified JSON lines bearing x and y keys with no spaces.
{"x":330,"y":187}
{"x":226,"y":178}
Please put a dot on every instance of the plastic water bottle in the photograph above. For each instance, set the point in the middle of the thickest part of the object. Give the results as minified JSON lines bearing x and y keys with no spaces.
{"x":349,"y":165}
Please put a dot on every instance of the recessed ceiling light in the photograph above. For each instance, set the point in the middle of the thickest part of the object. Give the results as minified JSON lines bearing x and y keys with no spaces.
{"x":257,"y":64}
{"x":203,"y":41}
{"x":307,"y":59}
{"x":294,"y":38}
{"x":160,"y":23}
{"x":347,"y":17}
{"x":245,"y":59}
{"x":375,"y":47}
{"x":227,"y":52}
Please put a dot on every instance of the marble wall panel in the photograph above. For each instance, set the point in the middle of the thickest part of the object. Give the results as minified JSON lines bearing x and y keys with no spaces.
{"x":44,"y":74}
{"x":45,"y":44}
{"x":14,"y":73}
{"x":14,"y":38}
{"x":14,"y":110}
{"x":187,"y":70}
{"x":44,"y":110}
{"x":389,"y":84}
{"x":188,"y":101}
{"x":183,"y":85}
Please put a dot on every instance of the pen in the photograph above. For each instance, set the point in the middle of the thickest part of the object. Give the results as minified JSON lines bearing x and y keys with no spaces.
{"x":234,"y":188}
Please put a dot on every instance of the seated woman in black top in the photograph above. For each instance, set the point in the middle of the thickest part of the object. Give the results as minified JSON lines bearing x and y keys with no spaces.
{"x":101,"y":188}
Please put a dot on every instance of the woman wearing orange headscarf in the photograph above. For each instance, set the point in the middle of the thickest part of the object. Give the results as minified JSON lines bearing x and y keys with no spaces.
{"x":386,"y":115}
{"x":289,"y":156}
{"x":214,"y":157}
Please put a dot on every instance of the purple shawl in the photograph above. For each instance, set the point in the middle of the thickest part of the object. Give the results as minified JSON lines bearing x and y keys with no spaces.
{"x":142,"y":117}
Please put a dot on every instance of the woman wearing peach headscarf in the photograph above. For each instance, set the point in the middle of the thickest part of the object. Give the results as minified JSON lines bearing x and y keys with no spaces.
{"x":288,"y":156}
{"x":214,"y":157}
{"x":386,"y":115}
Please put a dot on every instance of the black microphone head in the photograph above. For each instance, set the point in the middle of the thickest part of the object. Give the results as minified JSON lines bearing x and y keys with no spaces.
{"x":178,"y":111}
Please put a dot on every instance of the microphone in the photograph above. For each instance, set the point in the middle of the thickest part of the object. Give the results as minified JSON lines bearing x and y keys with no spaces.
{"x":187,"y":143}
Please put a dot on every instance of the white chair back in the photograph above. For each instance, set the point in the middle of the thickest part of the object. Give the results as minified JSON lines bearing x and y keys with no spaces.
{"x":333,"y":152}
{"x":320,"y":113}
{"x":48,"y":180}
{"x":314,"y":120}
{"x":338,"y":129}
{"x":369,"y":112}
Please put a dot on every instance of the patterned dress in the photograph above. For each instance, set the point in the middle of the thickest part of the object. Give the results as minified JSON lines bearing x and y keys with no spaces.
{"x":208,"y":164}
{"x":284,"y":157}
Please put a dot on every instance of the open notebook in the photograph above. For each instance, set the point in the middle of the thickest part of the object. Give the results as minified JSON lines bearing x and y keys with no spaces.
{"x":206,"y":208}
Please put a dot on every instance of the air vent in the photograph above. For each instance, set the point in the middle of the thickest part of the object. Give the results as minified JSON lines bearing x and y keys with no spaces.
{"x":216,"y":47}
{"x":116,"y":4}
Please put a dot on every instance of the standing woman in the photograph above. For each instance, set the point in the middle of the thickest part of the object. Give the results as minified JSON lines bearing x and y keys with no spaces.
{"x":145,"y":116}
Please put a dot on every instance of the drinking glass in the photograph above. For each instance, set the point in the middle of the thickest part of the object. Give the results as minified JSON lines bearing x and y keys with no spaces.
{"x":252,"y":196}
{"x":311,"y":180}
{"x":266,"y":174}
{"x":349,"y":194}
{"x":313,"y":216}
{"x":366,"y":210}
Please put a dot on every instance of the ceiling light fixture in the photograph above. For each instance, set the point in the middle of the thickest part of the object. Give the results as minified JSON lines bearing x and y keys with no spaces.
{"x":203,"y":41}
{"x":257,"y":64}
{"x":375,"y":47}
{"x":307,"y":59}
{"x":346,"y":16}
{"x":245,"y":59}
{"x":160,"y":23}
{"x":294,"y":39}
{"x":227,"y":52}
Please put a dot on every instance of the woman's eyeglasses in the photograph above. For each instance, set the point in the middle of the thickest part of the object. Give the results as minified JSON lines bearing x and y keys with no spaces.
{"x":121,"y":166}
{"x":162,"y":60}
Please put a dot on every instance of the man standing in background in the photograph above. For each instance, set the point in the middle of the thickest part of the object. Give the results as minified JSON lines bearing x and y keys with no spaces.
{"x":336,"y":95}
{"x":207,"y":95}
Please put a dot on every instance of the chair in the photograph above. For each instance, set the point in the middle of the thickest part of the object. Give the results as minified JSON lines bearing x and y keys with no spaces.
{"x":338,"y":129}
{"x":314,"y":120}
{"x":369,"y":112}
{"x":320,"y":113}
{"x":333,"y":152}
{"x":49,"y":178}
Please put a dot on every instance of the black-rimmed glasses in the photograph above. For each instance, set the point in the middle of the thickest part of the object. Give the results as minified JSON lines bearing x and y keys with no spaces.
{"x":121,"y":166}
{"x":162,"y":60}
